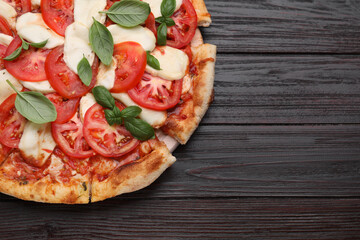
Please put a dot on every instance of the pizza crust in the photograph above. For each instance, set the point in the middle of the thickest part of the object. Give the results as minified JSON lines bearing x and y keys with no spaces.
{"x":204,"y":17}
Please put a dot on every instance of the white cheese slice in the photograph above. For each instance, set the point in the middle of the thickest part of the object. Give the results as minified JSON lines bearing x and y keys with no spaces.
{"x":170,"y":142}
{"x":5,"y":89}
{"x":77,"y":45}
{"x":85,"y":10}
{"x":37,"y":142}
{"x":35,"y":3}
{"x":8,"y":12}
{"x":86,"y":102}
{"x":5,"y":39}
{"x":139,"y":34}
{"x":43,"y":86}
{"x":32,"y":28}
{"x":155,"y":118}
{"x":106,"y":75}
{"x":173,"y":63}
{"x":155,"y":6}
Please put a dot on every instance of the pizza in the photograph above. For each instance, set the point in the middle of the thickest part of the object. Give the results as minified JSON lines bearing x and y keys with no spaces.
{"x":95,"y":95}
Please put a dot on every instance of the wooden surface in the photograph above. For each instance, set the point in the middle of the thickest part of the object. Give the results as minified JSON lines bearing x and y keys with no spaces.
{"x":277,"y":156}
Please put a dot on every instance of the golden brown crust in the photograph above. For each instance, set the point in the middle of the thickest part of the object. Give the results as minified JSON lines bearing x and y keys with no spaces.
{"x":204,"y":17}
{"x":134,"y":176}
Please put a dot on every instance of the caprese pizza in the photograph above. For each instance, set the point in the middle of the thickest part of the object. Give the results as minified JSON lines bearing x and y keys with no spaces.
{"x":96,"y":94}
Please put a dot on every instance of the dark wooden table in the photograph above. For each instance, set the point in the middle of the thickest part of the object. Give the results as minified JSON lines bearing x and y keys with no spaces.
{"x":276,"y":157}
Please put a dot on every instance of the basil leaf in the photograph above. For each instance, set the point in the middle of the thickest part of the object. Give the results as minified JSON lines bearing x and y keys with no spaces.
{"x":34,"y":106}
{"x":101,"y":42}
{"x":131,"y":112}
{"x":168,"y":8}
{"x":85,"y":71}
{"x":113,"y":116}
{"x":152,"y":61}
{"x":162,"y":34}
{"x":129,"y":13}
{"x":139,"y":129}
{"x":103,"y":97}
{"x":14,"y":55}
{"x":40,"y":44}
{"x":168,"y":21}
{"x":25,"y":45}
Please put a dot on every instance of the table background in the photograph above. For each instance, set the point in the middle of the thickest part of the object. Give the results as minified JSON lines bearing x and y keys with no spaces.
{"x":276,"y":156}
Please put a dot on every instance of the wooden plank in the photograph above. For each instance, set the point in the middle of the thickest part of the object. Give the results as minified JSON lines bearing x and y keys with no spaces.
{"x":244,"y":218}
{"x":322,"y":26}
{"x":278,"y":89}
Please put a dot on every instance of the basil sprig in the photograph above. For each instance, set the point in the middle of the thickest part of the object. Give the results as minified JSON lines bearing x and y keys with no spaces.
{"x":128,"y":13}
{"x":85,"y":71}
{"x":137,"y":127}
{"x":101,"y":42}
{"x":167,"y":9}
{"x":152,"y":61}
{"x":34,"y":106}
{"x":24,"y":45}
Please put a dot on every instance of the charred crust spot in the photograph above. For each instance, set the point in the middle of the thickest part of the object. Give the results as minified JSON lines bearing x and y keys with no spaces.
{"x":84,"y":186}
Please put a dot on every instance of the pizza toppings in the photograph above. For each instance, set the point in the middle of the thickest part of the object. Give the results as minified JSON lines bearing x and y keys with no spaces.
{"x":155,"y":6}
{"x":8,"y":12}
{"x":86,"y":10}
{"x":6,"y":90}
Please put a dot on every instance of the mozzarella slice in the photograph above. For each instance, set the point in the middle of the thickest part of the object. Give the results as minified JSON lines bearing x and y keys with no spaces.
{"x":37,"y":143}
{"x":8,"y":12}
{"x":43,"y":86}
{"x":32,"y":27}
{"x":5,"y":39}
{"x":155,"y":6}
{"x":86,"y":102}
{"x":5,"y":88}
{"x":170,"y":142}
{"x":85,"y":10}
{"x":106,"y":75}
{"x":139,"y":34}
{"x":77,"y":45}
{"x":173,"y":63}
{"x":155,"y":118}
{"x":35,"y":3}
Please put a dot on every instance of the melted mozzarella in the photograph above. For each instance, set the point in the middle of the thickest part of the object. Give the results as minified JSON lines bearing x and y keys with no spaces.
{"x":173,"y":63}
{"x":170,"y":142}
{"x":43,"y":86}
{"x":35,"y":3}
{"x":32,"y":27}
{"x":106,"y":75}
{"x":5,"y":39}
{"x":139,"y":34}
{"x":77,"y":45}
{"x":85,"y":10}
{"x":155,"y":118}
{"x":86,"y":102}
{"x":8,"y":12}
{"x":37,"y":143}
{"x":155,"y":6}
{"x":5,"y":89}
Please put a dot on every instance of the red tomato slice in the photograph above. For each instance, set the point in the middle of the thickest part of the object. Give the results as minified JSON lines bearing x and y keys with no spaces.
{"x":183,"y":32}
{"x":12,"y":123}
{"x":4,"y":27}
{"x":63,"y":79}
{"x":2,"y":55}
{"x":30,"y":65}
{"x":150,"y":24}
{"x":65,"y":108}
{"x":156,"y":93}
{"x":21,"y":6}
{"x":70,"y":138}
{"x":106,"y":140}
{"x":131,"y":64}
{"x":58,"y":14}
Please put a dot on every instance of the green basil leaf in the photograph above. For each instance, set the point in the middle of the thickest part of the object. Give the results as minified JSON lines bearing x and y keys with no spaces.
{"x":162,"y":34}
{"x":139,"y":129}
{"x":85,"y":71}
{"x":168,"y":21}
{"x":101,"y":42}
{"x":14,"y":55}
{"x":152,"y":61}
{"x":168,"y":8}
{"x":34,"y":106}
{"x":103,"y":97}
{"x":129,"y":13}
{"x":131,"y":112}
{"x":40,"y":44}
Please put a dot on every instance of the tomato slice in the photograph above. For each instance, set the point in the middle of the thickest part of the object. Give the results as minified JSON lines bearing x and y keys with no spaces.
{"x":58,"y":14}
{"x":66,"y":82}
{"x":65,"y":108}
{"x":156,"y":93}
{"x":5,"y":27}
{"x":185,"y":26}
{"x":2,"y":55}
{"x":106,"y":140}
{"x":12,"y":123}
{"x":150,"y":24}
{"x":30,"y":65}
{"x":70,"y":138}
{"x":131,"y":64}
{"x":21,"y":6}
